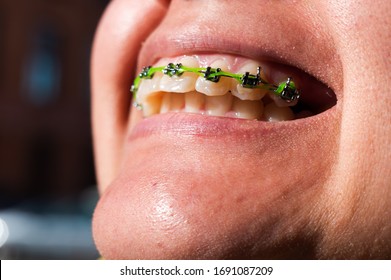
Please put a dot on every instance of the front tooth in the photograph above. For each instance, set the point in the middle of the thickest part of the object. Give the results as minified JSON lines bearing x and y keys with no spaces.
{"x":211,"y":88}
{"x":246,"y":109}
{"x":248,"y":93}
{"x":273,"y":113}
{"x":194,"y":101}
{"x":218,"y":105}
{"x":185,"y":82}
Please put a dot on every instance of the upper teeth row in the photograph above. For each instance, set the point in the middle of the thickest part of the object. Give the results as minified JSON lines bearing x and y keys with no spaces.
{"x":286,"y":90}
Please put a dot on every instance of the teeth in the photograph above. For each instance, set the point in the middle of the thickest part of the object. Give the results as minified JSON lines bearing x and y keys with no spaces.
{"x":185,"y":82}
{"x":173,"y":102}
{"x":273,"y":113}
{"x":166,"y":102}
{"x":194,"y":102}
{"x":177,"y":102}
{"x":218,"y":105}
{"x":280,"y":102}
{"x":246,"y":109}
{"x":148,"y":87}
{"x":194,"y":94}
{"x":247,"y":93}
{"x":150,"y":96}
{"x":277,"y":76}
{"x":152,"y":104}
{"x":211,"y":88}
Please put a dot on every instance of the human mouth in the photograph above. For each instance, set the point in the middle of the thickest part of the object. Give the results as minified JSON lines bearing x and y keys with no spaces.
{"x":229,"y":86}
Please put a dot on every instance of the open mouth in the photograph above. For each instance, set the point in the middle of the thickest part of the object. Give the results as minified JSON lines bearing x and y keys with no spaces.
{"x":230,"y":86}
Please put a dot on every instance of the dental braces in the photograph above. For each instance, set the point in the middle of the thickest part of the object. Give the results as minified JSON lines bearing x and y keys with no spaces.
{"x":287,"y":90}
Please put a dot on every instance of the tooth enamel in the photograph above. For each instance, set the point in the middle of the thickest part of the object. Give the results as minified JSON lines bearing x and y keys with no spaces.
{"x":172,"y":102}
{"x":273,"y":113}
{"x":276,"y":76}
{"x":218,"y":105}
{"x":246,"y":109}
{"x":194,"y":102}
{"x":148,"y":87}
{"x":166,"y":102}
{"x":177,"y":102}
{"x":247,"y":93}
{"x":152,"y":104}
{"x":280,"y":102}
{"x":211,"y":88}
{"x":185,"y":82}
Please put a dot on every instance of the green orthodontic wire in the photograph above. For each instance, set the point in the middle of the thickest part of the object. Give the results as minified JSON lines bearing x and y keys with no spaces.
{"x":286,"y":90}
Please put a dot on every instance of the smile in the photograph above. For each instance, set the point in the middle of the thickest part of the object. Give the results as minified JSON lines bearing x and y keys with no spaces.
{"x":190,"y":85}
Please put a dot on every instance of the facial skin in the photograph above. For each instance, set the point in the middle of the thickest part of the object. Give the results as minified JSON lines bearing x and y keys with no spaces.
{"x":185,"y":186}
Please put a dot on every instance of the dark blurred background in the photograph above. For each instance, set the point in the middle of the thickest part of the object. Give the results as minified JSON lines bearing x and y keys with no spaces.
{"x":47,"y":180}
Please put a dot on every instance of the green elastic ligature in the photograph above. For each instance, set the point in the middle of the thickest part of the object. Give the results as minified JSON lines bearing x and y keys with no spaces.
{"x":286,"y":90}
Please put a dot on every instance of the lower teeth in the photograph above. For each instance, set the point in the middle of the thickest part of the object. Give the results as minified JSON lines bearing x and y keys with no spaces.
{"x":224,"y":106}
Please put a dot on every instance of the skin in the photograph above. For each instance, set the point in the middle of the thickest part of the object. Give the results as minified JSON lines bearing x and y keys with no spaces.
{"x":180,"y":187}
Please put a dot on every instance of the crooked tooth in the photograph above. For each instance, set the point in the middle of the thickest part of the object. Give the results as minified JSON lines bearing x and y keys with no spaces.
{"x":248,"y":93}
{"x":273,"y":113}
{"x":246,"y":109}
{"x":194,"y":102}
{"x":211,"y":88}
{"x":185,"y":82}
{"x":218,"y":105}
